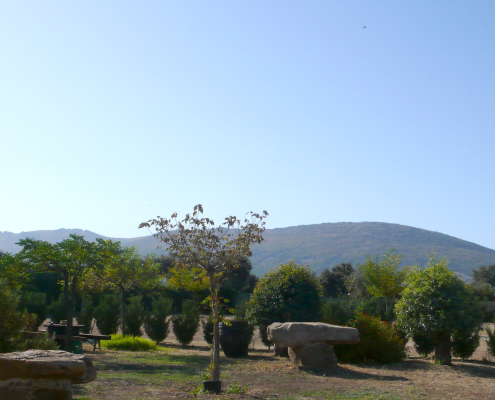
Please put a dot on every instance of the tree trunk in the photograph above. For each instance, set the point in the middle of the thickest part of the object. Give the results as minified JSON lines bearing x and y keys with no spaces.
{"x":70,"y":314}
{"x":122,"y":310}
{"x":443,"y":348}
{"x":215,"y":352}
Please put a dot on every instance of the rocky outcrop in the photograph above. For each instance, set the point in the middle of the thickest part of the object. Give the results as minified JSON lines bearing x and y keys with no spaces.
{"x":42,"y":374}
{"x":310,"y":343}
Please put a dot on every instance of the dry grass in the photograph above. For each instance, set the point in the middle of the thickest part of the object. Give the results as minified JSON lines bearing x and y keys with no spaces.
{"x":175,"y":373}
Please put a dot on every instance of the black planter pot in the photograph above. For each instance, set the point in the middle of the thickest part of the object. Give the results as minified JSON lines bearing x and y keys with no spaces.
{"x":212,"y":386}
{"x":235,"y":339}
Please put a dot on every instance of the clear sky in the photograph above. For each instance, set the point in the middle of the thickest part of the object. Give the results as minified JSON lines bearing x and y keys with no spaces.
{"x":114,"y":112}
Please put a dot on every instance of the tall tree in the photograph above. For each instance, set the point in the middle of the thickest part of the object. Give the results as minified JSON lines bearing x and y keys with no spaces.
{"x":333,"y":281}
{"x":197,"y":243}
{"x":384,"y":278}
{"x":485,"y":275}
{"x":123,"y":269}
{"x":73,"y":258}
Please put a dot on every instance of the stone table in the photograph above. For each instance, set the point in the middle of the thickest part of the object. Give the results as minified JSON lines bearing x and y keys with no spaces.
{"x":310,"y":343}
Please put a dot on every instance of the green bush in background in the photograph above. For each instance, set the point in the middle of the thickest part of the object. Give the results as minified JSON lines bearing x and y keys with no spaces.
{"x":35,"y":303}
{"x":208,"y":326}
{"x":107,"y":314}
{"x":155,"y":322}
{"x":379,"y":342}
{"x":85,"y":317}
{"x":58,"y":310}
{"x":134,"y":317}
{"x":186,"y":325}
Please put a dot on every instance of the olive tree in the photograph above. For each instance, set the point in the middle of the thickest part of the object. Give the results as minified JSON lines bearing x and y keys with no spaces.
{"x":197,"y":243}
{"x":437,"y":304}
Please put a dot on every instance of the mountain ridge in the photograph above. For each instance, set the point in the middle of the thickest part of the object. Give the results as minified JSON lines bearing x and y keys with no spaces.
{"x":318,"y":245}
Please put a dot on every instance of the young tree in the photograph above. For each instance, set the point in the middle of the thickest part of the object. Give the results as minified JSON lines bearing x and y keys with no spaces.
{"x":384,"y":278}
{"x":437,"y":304}
{"x":197,"y":243}
{"x":123,"y":269}
{"x":73,"y":258}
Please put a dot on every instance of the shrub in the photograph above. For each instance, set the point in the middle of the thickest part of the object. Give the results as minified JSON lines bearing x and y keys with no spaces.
{"x":288,"y":293}
{"x":337,"y":312}
{"x":107,"y":314}
{"x":40,"y":342}
{"x":490,"y":343}
{"x":35,"y":303}
{"x":12,"y":320}
{"x":134,"y":316}
{"x":465,"y":343}
{"x":58,"y":310}
{"x":379,"y":342}
{"x":208,"y":329}
{"x":85,"y":317}
{"x":155,"y":322}
{"x":186,"y":325}
{"x":128,"y":343}
{"x":424,"y":343}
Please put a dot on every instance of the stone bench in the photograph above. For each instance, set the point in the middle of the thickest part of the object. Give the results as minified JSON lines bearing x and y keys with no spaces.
{"x":310,"y":343}
{"x":43,"y":374}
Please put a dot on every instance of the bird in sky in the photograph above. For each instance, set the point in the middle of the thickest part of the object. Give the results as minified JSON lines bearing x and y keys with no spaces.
{"x":364,"y":27}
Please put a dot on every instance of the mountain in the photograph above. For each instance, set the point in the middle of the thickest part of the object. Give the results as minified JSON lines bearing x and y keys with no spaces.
{"x":320,"y":246}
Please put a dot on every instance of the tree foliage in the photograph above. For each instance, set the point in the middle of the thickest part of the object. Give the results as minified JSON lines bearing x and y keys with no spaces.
{"x":437,"y":304}
{"x":384,"y":278}
{"x":333,"y":281}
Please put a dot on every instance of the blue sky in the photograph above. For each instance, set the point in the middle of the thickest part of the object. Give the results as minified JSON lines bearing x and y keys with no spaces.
{"x":114,"y":112}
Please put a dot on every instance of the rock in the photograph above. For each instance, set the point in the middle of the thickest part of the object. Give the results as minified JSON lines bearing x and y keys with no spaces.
{"x":310,"y":343}
{"x":42,"y":374}
{"x":295,"y":334}
{"x":318,"y":355}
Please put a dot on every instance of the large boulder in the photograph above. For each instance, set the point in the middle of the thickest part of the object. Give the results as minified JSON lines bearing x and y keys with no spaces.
{"x":42,"y":374}
{"x":310,"y":344}
{"x":294,"y":334}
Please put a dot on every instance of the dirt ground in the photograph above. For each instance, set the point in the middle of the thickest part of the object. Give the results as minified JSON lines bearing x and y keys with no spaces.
{"x":175,"y":373}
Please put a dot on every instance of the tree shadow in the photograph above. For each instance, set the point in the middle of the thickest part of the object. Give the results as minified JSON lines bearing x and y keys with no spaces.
{"x":349,"y":374}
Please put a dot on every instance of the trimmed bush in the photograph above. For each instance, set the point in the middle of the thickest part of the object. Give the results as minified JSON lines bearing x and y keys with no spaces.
{"x":35,"y":303}
{"x":379,"y":342}
{"x":155,"y":322}
{"x":186,"y":325}
{"x":208,"y":327}
{"x":465,"y":343}
{"x":490,"y":343}
{"x":85,"y":317}
{"x":128,"y":343}
{"x":134,"y":317}
{"x":337,"y":312}
{"x":288,"y":293}
{"x":58,"y":310}
{"x":107,"y":314}
{"x":424,"y":343}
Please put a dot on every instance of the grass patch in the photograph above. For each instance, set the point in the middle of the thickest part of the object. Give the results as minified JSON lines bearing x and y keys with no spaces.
{"x":359,"y":395}
{"x":129,"y":343}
